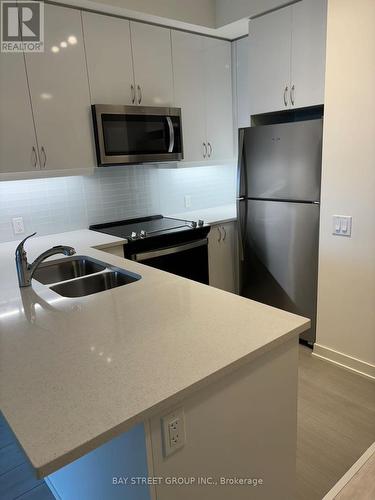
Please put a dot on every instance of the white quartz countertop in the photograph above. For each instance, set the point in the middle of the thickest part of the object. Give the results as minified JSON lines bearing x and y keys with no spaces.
{"x":75,"y":373}
{"x":215,"y":215}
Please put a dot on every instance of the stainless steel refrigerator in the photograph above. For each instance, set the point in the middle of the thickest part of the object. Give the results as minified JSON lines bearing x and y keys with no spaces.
{"x":279,"y":173}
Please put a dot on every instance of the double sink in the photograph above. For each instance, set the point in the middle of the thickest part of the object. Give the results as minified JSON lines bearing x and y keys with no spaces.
{"x":79,"y":276}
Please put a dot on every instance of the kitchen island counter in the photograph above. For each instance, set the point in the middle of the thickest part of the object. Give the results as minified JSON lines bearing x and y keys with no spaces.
{"x":75,"y":373}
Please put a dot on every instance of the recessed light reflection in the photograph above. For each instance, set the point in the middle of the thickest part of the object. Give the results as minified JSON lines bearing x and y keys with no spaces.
{"x":64,"y":44}
{"x":55,"y":49}
{"x":45,"y":95}
{"x":109,"y":360}
{"x":72,"y":40}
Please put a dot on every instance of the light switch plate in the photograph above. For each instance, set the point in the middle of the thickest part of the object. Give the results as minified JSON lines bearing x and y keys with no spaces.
{"x":342,"y":225}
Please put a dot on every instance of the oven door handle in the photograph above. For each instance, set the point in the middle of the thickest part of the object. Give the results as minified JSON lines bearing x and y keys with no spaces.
{"x":171,"y":134}
{"x":152,"y":254}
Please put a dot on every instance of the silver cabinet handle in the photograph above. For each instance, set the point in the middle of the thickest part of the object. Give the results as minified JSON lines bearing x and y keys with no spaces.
{"x":220,"y":235}
{"x":292,"y":94}
{"x":43,"y":156}
{"x":171,"y":134}
{"x":225,"y":233}
{"x":132,"y":89}
{"x":286,"y":95}
{"x":204,"y":150}
{"x":139,"y":94}
{"x":209,"y":149}
{"x":34,"y":157}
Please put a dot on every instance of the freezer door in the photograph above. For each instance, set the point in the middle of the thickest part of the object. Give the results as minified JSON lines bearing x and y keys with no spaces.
{"x":280,"y":256}
{"x":283,"y":161}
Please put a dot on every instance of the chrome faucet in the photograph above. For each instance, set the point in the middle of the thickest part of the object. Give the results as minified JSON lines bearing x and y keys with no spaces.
{"x":25,"y":271}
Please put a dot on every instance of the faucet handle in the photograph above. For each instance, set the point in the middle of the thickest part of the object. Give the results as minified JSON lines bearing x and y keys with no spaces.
{"x":21,"y":244}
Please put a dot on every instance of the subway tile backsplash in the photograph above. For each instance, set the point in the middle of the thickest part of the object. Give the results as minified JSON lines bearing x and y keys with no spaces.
{"x":67,"y":203}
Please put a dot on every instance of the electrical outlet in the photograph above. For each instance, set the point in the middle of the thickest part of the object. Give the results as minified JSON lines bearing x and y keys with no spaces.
{"x":173,"y":431}
{"x":187,"y":200}
{"x":18,"y":227}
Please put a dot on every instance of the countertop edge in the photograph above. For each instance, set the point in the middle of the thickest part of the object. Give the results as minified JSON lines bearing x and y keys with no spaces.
{"x":56,"y":464}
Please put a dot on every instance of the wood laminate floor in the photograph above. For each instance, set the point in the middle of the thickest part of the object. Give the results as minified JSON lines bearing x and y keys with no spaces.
{"x":336,"y":423}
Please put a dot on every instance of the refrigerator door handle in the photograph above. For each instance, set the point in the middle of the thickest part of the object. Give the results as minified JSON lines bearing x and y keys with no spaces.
{"x":241,"y":173}
{"x":239,"y":226}
{"x":241,"y":165}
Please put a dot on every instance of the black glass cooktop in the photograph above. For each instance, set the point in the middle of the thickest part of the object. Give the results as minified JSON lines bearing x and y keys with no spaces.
{"x":145,"y":227}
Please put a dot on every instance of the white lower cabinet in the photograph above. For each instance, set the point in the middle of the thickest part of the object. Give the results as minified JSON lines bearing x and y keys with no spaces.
{"x":60,"y":93}
{"x":18,"y":146}
{"x":222,"y":256}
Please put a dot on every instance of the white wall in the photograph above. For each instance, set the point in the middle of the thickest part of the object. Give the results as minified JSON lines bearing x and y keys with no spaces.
{"x":199,"y":12}
{"x":228,"y":11}
{"x":346,"y":301}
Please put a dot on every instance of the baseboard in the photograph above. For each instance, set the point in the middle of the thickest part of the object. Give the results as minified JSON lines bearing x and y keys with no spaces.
{"x":346,"y":478}
{"x":338,"y":358}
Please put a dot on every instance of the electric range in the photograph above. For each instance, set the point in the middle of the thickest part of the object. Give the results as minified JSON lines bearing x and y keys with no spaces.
{"x":174,"y":245}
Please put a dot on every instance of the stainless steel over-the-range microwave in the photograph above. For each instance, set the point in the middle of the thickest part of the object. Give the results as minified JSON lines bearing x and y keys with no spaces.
{"x":136,"y":134}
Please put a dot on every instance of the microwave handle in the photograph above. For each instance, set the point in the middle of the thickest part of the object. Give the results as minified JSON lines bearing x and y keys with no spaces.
{"x":171,"y":134}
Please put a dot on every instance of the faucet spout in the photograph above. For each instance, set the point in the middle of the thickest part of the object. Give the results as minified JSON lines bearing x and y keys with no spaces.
{"x":25,"y":271}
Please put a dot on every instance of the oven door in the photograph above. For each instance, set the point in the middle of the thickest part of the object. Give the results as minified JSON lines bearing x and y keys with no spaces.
{"x":136,"y":134}
{"x":189,"y":260}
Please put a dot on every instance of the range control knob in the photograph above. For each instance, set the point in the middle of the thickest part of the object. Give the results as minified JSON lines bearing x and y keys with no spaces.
{"x":200,"y":222}
{"x":133,"y":236}
{"x":143,"y":234}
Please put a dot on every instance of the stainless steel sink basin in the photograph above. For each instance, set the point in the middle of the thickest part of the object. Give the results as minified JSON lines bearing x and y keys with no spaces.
{"x":67,"y":269}
{"x":95,"y":284}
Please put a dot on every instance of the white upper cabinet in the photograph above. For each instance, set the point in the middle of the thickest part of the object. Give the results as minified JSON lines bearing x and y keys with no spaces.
{"x":242,"y":82}
{"x":60,"y":93}
{"x":152,"y":56}
{"x":18,"y":146}
{"x":309,"y":19}
{"x":219,"y":112}
{"x":109,"y":59}
{"x":269,"y":61}
{"x":188,"y":69}
{"x":287,"y":57}
{"x":203,"y":89}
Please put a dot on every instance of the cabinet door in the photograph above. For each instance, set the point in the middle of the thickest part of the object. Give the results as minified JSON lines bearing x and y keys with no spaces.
{"x":152,"y":64}
{"x":18,"y":148}
{"x":109,"y":59}
{"x":60,"y":93}
{"x":222,"y":255}
{"x":242,"y":81}
{"x":269,"y":63}
{"x":188,"y":71}
{"x":218,"y":88}
{"x":308,"y":52}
